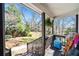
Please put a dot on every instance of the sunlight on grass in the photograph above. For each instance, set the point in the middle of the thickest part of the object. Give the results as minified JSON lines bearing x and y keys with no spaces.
{"x":11,"y":42}
{"x":35,"y":35}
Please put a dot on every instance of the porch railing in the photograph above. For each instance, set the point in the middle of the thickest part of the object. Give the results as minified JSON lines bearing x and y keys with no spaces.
{"x":36,"y":47}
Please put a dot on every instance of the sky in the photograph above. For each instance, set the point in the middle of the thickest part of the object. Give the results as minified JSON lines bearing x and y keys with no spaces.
{"x":28,"y":13}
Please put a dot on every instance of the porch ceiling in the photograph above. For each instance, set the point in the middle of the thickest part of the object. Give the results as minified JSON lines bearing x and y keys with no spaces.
{"x":58,"y":9}
{"x":55,"y":9}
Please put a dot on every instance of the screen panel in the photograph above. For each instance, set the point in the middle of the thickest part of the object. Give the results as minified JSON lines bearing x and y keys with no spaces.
{"x":23,"y":26}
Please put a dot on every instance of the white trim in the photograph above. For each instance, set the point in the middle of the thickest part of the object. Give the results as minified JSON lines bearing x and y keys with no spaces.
{"x":32,"y":6}
{"x":43,"y":9}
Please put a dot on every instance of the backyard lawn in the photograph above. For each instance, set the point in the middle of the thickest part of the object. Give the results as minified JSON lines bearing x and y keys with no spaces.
{"x":13,"y":42}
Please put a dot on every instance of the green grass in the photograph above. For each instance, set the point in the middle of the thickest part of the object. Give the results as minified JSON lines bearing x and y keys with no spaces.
{"x":28,"y":39}
{"x":34,"y":36}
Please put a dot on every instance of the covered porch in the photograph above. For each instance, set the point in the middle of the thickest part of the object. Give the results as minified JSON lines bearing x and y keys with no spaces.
{"x":56,"y":12}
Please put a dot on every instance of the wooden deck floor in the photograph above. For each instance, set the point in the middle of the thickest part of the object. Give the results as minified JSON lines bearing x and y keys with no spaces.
{"x":49,"y":52}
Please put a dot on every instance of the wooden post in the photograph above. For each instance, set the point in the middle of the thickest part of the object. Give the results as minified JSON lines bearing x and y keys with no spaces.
{"x":52,"y":26}
{"x":1,"y":29}
{"x":77,"y":23}
{"x":43,"y":31}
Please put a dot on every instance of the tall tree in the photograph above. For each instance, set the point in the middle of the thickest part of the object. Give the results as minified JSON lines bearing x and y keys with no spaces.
{"x":13,"y":10}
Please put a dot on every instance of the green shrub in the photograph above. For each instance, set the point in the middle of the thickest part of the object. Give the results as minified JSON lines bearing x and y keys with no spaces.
{"x":8,"y":37}
{"x":30,"y":35}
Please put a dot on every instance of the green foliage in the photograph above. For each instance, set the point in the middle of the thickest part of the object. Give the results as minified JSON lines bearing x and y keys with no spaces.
{"x":10,"y":27}
{"x":30,"y":35}
{"x":20,"y":27}
{"x":8,"y":37}
{"x":68,"y":30}
{"x":13,"y":27}
{"x":26,"y":30}
{"x":13,"y":10}
{"x":48,"y":22}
